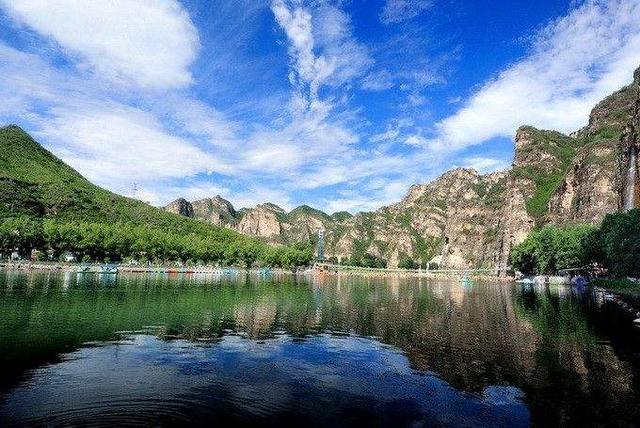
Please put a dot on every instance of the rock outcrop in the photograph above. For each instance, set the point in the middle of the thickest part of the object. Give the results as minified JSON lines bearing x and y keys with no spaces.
{"x":263,"y":221}
{"x":215,"y":210}
{"x":181,"y":207}
{"x":594,"y":184}
{"x":464,"y":219}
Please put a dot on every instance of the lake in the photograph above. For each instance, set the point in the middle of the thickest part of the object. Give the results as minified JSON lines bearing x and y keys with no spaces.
{"x":106,"y":350}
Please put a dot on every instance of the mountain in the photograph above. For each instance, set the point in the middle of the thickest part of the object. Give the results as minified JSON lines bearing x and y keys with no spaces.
{"x":464,"y":219}
{"x":35,"y":183}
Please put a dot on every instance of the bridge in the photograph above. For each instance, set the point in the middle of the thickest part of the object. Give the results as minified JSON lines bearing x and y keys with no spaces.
{"x":334,"y":268}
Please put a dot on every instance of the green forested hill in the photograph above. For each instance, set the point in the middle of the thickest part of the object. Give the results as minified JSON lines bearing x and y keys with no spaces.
{"x":34,"y":181}
{"x":37,"y":186}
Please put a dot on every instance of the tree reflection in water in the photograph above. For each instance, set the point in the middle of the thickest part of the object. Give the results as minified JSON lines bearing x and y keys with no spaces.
{"x":575,"y":360}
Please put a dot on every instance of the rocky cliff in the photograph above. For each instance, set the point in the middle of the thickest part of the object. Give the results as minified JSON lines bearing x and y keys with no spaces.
{"x":464,"y":219}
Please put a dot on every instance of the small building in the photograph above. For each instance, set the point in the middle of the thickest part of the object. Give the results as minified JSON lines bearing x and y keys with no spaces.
{"x":435,"y":262}
{"x":36,"y":254}
{"x":69,"y":257}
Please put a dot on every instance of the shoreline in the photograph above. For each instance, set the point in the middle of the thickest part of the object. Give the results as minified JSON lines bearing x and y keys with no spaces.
{"x":230,"y":270}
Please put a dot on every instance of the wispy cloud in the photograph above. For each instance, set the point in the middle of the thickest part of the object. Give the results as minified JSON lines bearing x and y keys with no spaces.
{"x":575,"y":61}
{"x":308,"y":69}
{"x":395,"y":11}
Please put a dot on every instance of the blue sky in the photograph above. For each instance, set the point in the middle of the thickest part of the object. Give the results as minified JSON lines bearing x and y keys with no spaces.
{"x":341,"y":105}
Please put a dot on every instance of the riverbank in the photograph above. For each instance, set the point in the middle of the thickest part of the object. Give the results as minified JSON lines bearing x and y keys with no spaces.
{"x":414,"y":274}
{"x":320,"y":270}
{"x":96,"y":268}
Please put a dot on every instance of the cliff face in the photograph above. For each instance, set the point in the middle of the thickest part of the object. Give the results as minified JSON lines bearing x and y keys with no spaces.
{"x":463,"y":219}
{"x":596,"y":181}
{"x":214,"y":210}
{"x":262,"y":221}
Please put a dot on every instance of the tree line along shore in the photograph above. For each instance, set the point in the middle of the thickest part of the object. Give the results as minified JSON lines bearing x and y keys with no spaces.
{"x":610,"y":251}
{"x":49,"y":239}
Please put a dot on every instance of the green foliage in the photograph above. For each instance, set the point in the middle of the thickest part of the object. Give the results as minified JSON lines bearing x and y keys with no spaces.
{"x":616,"y":284}
{"x":552,"y":248}
{"x":494,"y":196}
{"x":616,"y":245}
{"x":549,"y":175}
{"x":426,"y":248}
{"x":363,"y":259}
{"x":45,"y":203}
{"x":22,"y":234}
{"x":407,"y":262}
{"x":118,"y":241}
{"x":545,"y":186}
{"x":620,"y":237}
{"x":341,"y":216}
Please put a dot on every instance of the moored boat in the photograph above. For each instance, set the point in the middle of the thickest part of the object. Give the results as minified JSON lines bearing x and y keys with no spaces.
{"x":110,"y":269}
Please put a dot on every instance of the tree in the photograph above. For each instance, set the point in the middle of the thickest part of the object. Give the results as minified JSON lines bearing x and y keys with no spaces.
{"x":552,"y":248}
{"x":620,"y":237}
{"x":523,"y":257}
{"x":407,"y":263}
{"x":21,"y":233}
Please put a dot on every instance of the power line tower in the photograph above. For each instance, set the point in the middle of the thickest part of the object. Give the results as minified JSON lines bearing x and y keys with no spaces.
{"x":320,"y":247}
{"x":134,"y":191}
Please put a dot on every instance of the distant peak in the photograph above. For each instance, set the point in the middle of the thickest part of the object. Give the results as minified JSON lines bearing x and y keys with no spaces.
{"x":271,"y":206}
{"x":179,"y":201}
{"x":460,"y":171}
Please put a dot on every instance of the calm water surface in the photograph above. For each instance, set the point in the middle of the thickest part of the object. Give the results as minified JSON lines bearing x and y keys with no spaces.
{"x":160,"y":350}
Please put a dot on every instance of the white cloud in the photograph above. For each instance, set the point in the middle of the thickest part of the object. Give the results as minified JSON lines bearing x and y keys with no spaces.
{"x":389,"y":134}
{"x":369,"y":197}
{"x":395,"y":11}
{"x":134,"y":147}
{"x":151,"y":43}
{"x":416,"y":100}
{"x":378,"y":81}
{"x":259,"y":194}
{"x":308,"y":69}
{"x":326,"y":30}
{"x":200,"y":119}
{"x":484,"y":165}
{"x":416,"y":141}
{"x":575,"y":62}
{"x":351,"y":204}
{"x":334,"y":35}
{"x":196,"y":191}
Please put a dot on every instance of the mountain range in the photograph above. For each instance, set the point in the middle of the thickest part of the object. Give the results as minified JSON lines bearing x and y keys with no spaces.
{"x":464,"y":219}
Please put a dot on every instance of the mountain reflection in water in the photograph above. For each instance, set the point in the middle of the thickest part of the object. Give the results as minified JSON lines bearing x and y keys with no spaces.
{"x":101,"y":350}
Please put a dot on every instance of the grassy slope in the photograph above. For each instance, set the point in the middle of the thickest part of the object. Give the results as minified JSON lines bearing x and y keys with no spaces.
{"x":35,"y":182}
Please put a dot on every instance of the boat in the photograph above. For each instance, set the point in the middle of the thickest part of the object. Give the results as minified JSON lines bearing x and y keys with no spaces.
{"x":110,"y":269}
{"x":265,"y":271}
{"x":83,"y":269}
{"x":466,"y":281}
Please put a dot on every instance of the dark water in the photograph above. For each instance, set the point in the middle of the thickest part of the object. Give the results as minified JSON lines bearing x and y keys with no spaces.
{"x":155,"y":350}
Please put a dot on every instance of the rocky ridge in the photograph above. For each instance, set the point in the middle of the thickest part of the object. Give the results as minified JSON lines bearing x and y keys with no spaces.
{"x":464,"y":219}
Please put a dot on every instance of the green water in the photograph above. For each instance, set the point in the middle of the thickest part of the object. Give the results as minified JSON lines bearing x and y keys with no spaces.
{"x":104,"y":350}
